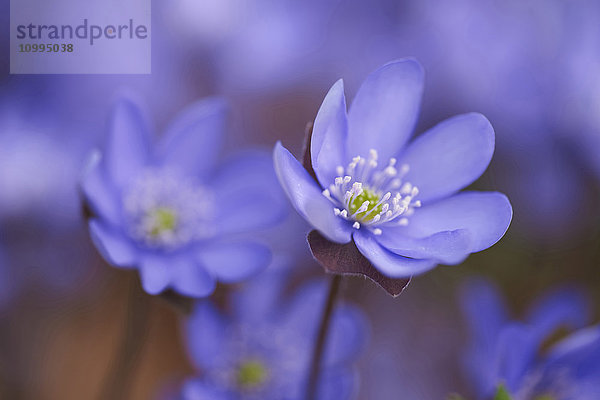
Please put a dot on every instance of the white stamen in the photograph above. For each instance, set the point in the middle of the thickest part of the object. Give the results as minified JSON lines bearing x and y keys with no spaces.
{"x":395,"y":198}
{"x":165,"y":210}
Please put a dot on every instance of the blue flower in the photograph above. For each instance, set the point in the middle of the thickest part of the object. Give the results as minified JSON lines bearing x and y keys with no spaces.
{"x":512,"y":354}
{"x":398,"y":203}
{"x":170,"y":211}
{"x":262,"y":349}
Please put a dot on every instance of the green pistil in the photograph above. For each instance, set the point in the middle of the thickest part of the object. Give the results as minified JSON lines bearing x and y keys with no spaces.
{"x":502,"y":394}
{"x":165,"y":220}
{"x":372,"y":198}
{"x":251,"y":374}
{"x":545,"y":397}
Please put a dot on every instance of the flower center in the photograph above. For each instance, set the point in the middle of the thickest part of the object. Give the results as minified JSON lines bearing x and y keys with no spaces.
{"x":372,"y":196}
{"x":162,"y":220}
{"x":166,"y":211}
{"x":373,"y":208}
{"x":251,"y":374}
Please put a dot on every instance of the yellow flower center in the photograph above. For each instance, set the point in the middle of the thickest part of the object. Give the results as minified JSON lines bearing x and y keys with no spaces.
{"x":164,"y":220}
{"x":251,"y":374}
{"x":366,"y":195}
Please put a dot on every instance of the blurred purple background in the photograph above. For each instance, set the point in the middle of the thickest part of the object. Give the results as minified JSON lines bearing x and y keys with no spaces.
{"x":530,"y":66}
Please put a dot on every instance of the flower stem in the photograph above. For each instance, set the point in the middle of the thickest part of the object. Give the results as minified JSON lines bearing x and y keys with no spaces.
{"x":319,"y":349}
{"x":118,"y":380}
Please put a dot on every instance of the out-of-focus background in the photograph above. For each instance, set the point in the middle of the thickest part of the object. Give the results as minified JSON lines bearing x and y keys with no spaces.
{"x":531,"y":66}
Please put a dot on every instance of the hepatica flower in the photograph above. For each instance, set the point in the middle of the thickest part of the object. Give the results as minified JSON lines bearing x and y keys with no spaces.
{"x":508,"y":359}
{"x":368,"y":192}
{"x":170,"y":211}
{"x":262,"y":349}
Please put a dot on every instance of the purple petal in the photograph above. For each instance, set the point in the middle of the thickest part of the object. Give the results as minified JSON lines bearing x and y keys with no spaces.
{"x":485,"y":215}
{"x":258,"y":298}
{"x":449,"y":247}
{"x":155,"y":273}
{"x":206,"y":335}
{"x":581,"y":349}
{"x":249,"y":196}
{"x":117,"y":249}
{"x":449,"y":156}
{"x":128,"y":146}
{"x":338,"y":383}
{"x":306,"y":197}
{"x":190,"y":278}
{"x":299,"y":314}
{"x":193,"y":141}
{"x":565,"y":307}
{"x":99,"y":195}
{"x":234,"y":262}
{"x":484,"y":310}
{"x":329,"y":135}
{"x":485,"y":314}
{"x":196,"y":389}
{"x":516,"y":349}
{"x":388,"y":263}
{"x":384,"y":112}
{"x":348,"y":335}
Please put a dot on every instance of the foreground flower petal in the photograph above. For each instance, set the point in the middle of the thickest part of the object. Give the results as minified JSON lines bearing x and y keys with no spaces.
{"x":448,"y":247}
{"x":388,"y":263}
{"x":306,"y":197}
{"x":485,"y":215}
{"x":330,"y":129}
{"x":385,"y":110}
{"x":450,"y":156}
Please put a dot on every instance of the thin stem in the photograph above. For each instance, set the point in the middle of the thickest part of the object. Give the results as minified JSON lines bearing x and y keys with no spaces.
{"x":317,"y":357}
{"x":118,"y":380}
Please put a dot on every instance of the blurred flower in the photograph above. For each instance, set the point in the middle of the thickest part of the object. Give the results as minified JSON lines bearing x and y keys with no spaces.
{"x":403,"y":214}
{"x":513,"y":355}
{"x":263,"y":349}
{"x":170,"y":212}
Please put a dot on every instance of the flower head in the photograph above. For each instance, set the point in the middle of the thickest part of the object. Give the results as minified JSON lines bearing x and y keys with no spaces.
{"x":170,"y":211}
{"x":524,"y":359}
{"x":397,"y":202}
{"x":262,"y":350}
